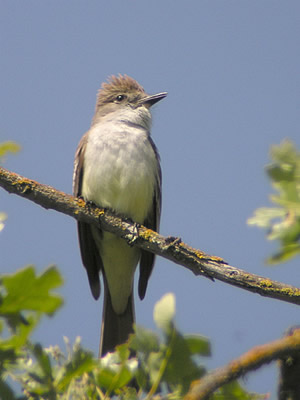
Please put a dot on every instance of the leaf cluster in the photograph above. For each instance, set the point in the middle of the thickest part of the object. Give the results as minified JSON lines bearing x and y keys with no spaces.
{"x":6,"y":147}
{"x":148,"y":366}
{"x":282,"y":222}
{"x":24,"y":298}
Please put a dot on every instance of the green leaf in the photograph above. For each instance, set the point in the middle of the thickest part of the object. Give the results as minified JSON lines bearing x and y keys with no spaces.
{"x":110,"y":380}
{"x":144,"y":341}
{"x":181,"y":356}
{"x":6,"y":392}
{"x":263,"y":217}
{"x":19,"y":339}
{"x":164,"y":312}
{"x":82,"y":361}
{"x":115,"y":372}
{"x":234,"y":391}
{"x":154,"y":364}
{"x":26,"y":291}
{"x":284,"y":254}
{"x":283,"y":222}
{"x":123,"y":352}
{"x":8,"y":147}
{"x":3,"y":217}
{"x":198,"y":345}
{"x":43,"y":360}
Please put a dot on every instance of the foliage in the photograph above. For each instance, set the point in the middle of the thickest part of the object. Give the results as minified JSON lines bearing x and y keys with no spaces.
{"x":24,"y":298}
{"x":3,"y":217}
{"x":163,"y":367}
{"x":5,"y":148}
{"x":8,"y":147}
{"x":282,"y":222}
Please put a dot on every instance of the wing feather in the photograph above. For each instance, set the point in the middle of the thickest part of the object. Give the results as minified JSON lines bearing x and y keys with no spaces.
{"x":89,"y":252}
{"x":152,"y":222}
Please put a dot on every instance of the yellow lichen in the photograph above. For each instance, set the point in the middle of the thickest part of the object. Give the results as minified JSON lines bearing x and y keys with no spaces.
{"x":266,"y":283}
{"x":80,"y":202}
{"x":290,"y":292}
{"x":200,"y":254}
{"x":147,"y":234}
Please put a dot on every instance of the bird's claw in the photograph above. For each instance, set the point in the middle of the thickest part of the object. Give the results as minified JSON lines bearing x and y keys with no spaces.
{"x":133,"y":235}
{"x":171,"y":241}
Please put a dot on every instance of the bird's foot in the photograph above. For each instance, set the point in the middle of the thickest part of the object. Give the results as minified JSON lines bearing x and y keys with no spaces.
{"x":171,"y":241}
{"x":133,"y":234}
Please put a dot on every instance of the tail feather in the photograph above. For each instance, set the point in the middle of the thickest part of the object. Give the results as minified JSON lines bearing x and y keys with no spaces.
{"x":115,"y":328}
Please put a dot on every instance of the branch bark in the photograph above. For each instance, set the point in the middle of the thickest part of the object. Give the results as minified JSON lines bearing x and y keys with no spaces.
{"x":289,"y":373}
{"x":171,"y":248}
{"x":253,"y":359}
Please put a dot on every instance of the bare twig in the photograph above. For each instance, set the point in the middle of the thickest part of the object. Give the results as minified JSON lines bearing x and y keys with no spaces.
{"x":171,"y":248}
{"x":253,"y":359}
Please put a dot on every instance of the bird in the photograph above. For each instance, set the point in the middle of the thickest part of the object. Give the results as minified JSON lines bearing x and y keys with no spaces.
{"x":117,"y":166}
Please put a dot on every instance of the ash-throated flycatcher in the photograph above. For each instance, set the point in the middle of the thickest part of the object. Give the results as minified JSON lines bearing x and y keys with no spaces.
{"x":117,"y":166}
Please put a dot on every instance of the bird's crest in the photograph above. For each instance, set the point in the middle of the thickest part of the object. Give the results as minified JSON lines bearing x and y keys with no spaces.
{"x":115,"y":85}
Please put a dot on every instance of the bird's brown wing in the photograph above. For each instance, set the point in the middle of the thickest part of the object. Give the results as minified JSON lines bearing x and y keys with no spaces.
{"x":89,"y":252}
{"x":152,"y":222}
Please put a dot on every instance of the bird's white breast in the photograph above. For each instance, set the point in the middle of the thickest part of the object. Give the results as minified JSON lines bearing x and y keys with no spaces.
{"x":120,"y":171}
{"x":120,"y":168}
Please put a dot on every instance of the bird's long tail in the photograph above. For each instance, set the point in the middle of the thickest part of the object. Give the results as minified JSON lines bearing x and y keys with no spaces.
{"x":115,"y":328}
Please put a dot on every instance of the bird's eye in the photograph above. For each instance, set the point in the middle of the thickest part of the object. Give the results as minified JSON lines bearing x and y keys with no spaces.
{"x":120,"y":97}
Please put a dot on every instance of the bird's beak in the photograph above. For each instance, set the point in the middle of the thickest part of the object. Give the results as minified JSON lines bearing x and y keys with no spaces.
{"x":152,"y":99}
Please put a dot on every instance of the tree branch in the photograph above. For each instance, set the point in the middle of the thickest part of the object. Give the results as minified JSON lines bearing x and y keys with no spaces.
{"x":253,"y":359}
{"x":171,"y":248}
{"x":289,"y":368}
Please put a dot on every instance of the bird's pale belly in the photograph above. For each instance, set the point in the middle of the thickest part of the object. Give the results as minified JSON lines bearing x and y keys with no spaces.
{"x":121,"y":178}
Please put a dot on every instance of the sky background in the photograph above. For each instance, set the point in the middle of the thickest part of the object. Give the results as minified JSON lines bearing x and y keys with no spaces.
{"x":231,"y":70}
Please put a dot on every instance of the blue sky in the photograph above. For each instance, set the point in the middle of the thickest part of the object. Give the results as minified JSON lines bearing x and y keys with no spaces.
{"x":231,"y":69}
